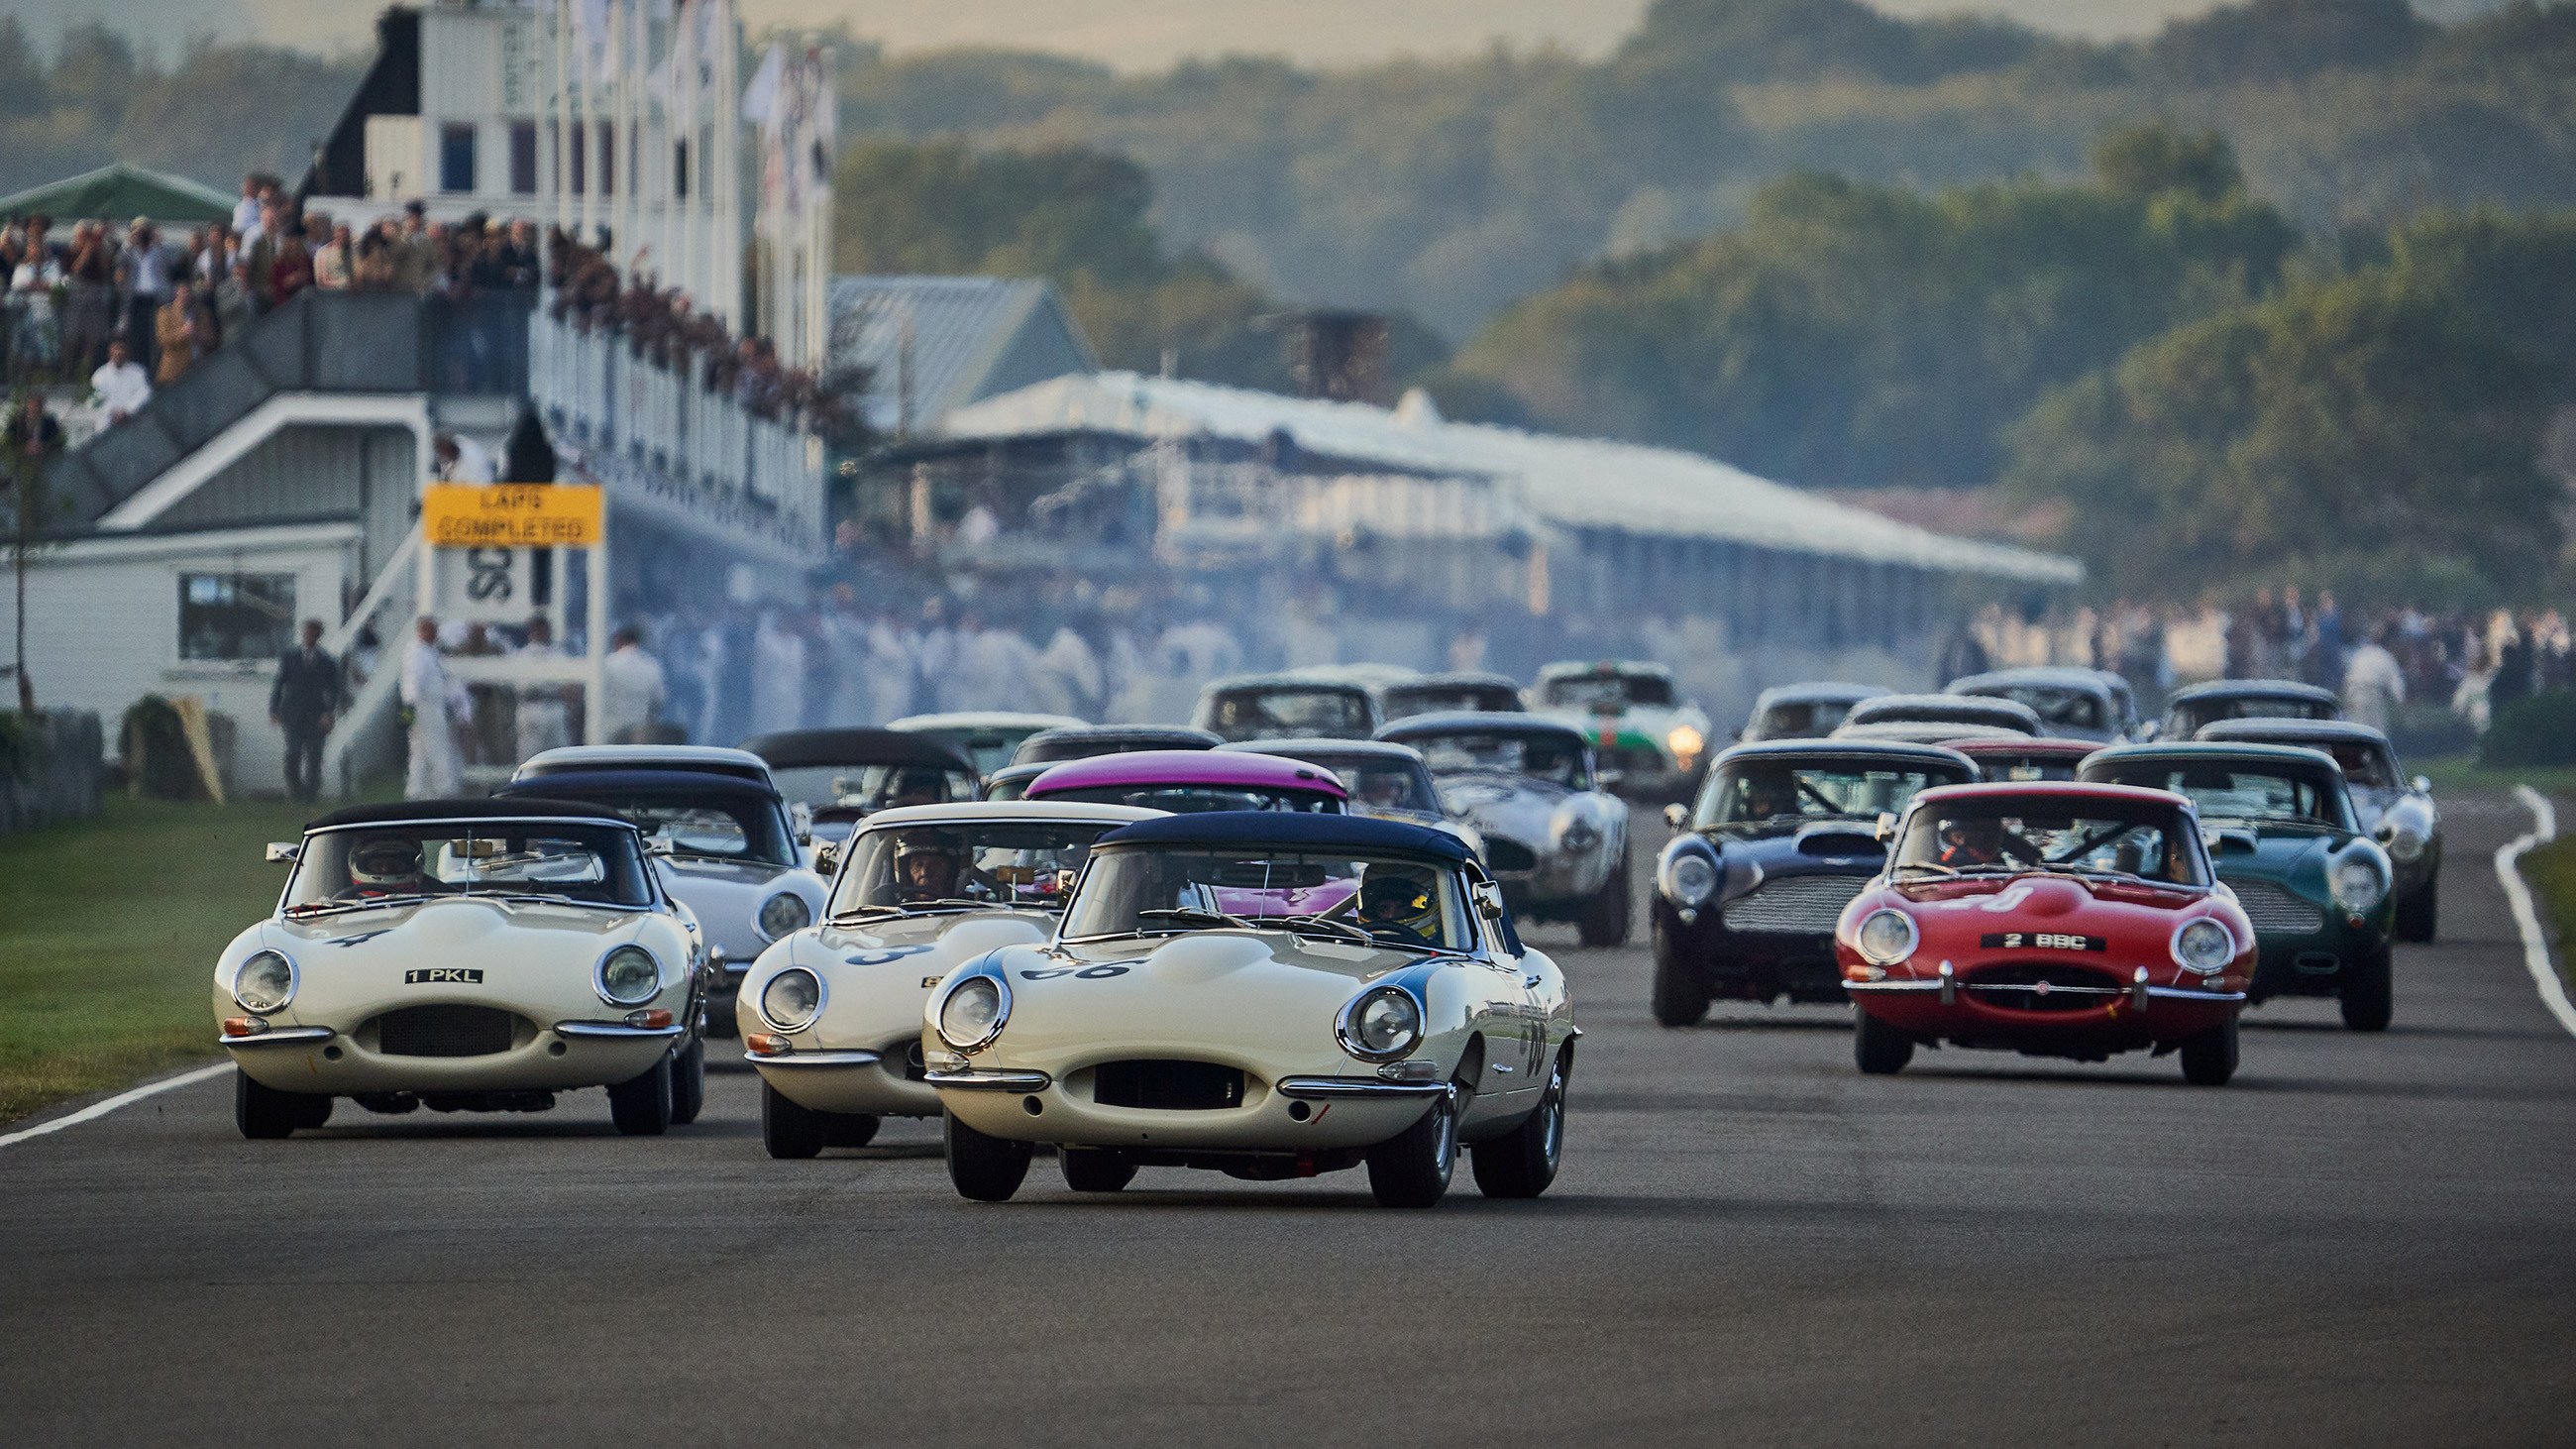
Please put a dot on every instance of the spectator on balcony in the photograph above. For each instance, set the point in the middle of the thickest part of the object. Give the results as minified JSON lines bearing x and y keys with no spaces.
{"x":144,"y":276}
{"x":184,"y":331}
{"x":259,"y":248}
{"x":415,"y":250}
{"x":335,"y":266}
{"x":518,"y":257}
{"x":236,"y":302}
{"x":374,"y":269}
{"x":461,"y":460}
{"x":89,"y":302}
{"x":246,"y":211}
{"x":120,"y":382}
{"x":292,"y":270}
{"x":32,"y":432}
{"x":35,"y":337}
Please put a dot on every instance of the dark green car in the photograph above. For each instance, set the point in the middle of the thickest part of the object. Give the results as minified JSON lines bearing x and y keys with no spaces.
{"x":2285,"y":837}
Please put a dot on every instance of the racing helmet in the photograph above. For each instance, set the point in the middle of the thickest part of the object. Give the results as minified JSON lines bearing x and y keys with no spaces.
{"x":384,"y":860}
{"x":933,"y":847}
{"x":1395,"y":893}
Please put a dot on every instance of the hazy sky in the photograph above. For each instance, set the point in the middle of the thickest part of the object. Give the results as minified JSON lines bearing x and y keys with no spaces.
{"x":1131,"y":34}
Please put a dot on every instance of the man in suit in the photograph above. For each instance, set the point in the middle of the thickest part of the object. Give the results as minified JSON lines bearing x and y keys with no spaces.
{"x":307,"y":695}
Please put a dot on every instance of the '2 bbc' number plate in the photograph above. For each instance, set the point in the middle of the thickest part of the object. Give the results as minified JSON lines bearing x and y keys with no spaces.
{"x":2041,"y":941}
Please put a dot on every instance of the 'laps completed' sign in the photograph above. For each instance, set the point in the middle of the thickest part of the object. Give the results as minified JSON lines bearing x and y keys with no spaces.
{"x":510,"y":515}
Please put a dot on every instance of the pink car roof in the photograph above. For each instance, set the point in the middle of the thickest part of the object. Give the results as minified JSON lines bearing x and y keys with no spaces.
{"x":1222,"y":768}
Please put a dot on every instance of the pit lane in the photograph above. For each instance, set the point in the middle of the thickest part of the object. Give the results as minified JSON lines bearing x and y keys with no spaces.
{"x":2364,"y":1239}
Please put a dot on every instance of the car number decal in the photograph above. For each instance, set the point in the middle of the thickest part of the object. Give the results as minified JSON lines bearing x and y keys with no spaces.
{"x":443,"y":976}
{"x":887,"y":957}
{"x":2042,"y":941}
{"x":359,"y":939}
{"x":1079,"y":973}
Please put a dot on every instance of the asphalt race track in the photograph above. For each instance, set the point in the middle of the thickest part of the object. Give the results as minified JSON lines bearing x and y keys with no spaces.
{"x":2364,"y":1240}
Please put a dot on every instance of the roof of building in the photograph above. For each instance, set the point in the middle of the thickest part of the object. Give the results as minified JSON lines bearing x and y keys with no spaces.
{"x":119,"y":193}
{"x":1283,"y":830}
{"x":971,"y":338}
{"x":1569,"y":482}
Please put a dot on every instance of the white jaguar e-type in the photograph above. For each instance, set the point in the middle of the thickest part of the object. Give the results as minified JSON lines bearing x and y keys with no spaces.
{"x":1266,"y":994}
{"x":832,"y":1014}
{"x":464,"y":955}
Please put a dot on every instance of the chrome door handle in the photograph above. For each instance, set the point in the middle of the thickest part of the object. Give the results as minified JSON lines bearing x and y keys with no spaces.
{"x":1530,"y":980}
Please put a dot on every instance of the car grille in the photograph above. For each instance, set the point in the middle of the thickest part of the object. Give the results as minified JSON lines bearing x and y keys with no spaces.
{"x":1631,"y":759}
{"x":2275,"y":911}
{"x":1169,"y":1086}
{"x":1807,"y":903}
{"x":445,"y":1030}
{"x":2043,"y":987}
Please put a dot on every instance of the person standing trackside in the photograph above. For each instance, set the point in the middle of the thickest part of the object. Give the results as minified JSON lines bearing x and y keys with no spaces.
{"x":632,"y":692}
{"x":306,"y":696}
{"x":434,"y":769}
{"x":545,"y":709}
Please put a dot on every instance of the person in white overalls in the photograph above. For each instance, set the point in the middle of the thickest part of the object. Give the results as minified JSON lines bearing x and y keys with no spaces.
{"x":426,"y":684}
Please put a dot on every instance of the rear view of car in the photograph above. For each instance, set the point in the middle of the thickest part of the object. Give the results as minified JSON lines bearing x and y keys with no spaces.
{"x":1252,"y":707}
{"x":1647,"y":741}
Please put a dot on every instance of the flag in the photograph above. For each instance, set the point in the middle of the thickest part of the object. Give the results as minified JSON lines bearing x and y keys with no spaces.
{"x":595,"y":33}
{"x":760,"y":99}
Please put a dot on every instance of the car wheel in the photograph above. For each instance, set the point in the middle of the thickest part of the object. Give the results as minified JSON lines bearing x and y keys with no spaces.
{"x":1878,"y":1049}
{"x":1680,"y":998}
{"x":790,"y":1130}
{"x":848,"y":1129}
{"x":986,"y":1169}
{"x":689,"y":1084}
{"x":265,"y":1113}
{"x":1092,"y":1169}
{"x":2369,"y":992}
{"x":1604,"y":921}
{"x":1412,"y":1168}
{"x":1523,"y":1161}
{"x":641,"y":1107}
{"x":2418,"y":914}
{"x":2209,"y":1059}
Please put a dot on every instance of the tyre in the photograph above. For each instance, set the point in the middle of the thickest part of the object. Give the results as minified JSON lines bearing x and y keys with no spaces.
{"x":641,"y":1107}
{"x":1091,"y":1169}
{"x":2369,"y":992}
{"x":2418,"y":914}
{"x":689,"y":1084}
{"x":266,"y":1114}
{"x":1680,"y":998}
{"x":1878,"y":1049}
{"x":986,"y":1169}
{"x":788,"y":1129}
{"x":848,"y":1129}
{"x":1523,"y":1161}
{"x":1412,"y":1168}
{"x":2209,"y":1059}
{"x":1604,"y":921}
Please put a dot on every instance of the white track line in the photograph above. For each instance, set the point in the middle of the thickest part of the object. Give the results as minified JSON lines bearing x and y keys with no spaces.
{"x":97,"y":1110}
{"x":2535,"y":946}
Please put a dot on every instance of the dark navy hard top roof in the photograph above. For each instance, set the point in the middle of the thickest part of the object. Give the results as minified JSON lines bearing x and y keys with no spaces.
{"x":807,"y":749}
{"x":1359,"y":834}
{"x":591,"y":784}
{"x":1477,"y":722}
{"x":2254,"y":689}
{"x":517,"y":807}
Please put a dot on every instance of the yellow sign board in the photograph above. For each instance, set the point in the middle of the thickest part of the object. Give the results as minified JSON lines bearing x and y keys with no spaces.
{"x":510,"y":515}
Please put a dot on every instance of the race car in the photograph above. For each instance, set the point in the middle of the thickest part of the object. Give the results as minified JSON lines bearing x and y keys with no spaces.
{"x":2204,"y":704}
{"x":2055,"y":920}
{"x":2080,"y":704}
{"x":836,"y":1010}
{"x":2397,"y":812}
{"x":464,"y":955}
{"x":2018,"y":759}
{"x":1446,"y":693}
{"x":1266,"y":995}
{"x":841,"y":776}
{"x":1782,"y":836}
{"x":1194,"y":782}
{"x":1268,"y":706}
{"x":723,"y":846}
{"x":1648,"y":742}
{"x":2291,"y":847}
{"x":1803,"y":711}
{"x":1557,"y":842}
{"x":988,"y":737}
{"x":1387,"y":781}
{"x":1976,"y":712}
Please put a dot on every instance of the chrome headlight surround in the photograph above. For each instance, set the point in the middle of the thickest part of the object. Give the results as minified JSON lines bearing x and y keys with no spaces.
{"x":257,"y":1002}
{"x":2203,"y":945}
{"x":2405,"y":845}
{"x":966,"y":1036}
{"x":783,"y":914}
{"x":2357,"y":883}
{"x":617,"y":963}
{"x":1872,"y":938}
{"x":783,"y":1021}
{"x":1691,"y":879}
{"x":1354,"y":1021}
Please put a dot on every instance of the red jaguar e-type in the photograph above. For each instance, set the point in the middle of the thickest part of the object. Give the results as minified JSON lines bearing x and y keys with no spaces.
{"x":2051,"y":919}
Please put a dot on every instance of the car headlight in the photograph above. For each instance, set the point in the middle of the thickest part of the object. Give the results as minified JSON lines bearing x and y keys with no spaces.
{"x":784,"y":914}
{"x":2204,"y":946}
{"x":1693,"y":879}
{"x":1380,"y":1024}
{"x":1887,"y":937}
{"x":2357,"y":883}
{"x":974,"y":1013}
{"x":792,"y":999}
{"x":2407,"y":846}
{"x":629,"y":976}
{"x":1685,"y":743}
{"x":264,"y":983}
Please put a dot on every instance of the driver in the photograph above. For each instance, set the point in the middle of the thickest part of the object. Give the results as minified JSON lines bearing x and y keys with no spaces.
{"x":926,"y":869}
{"x":920,"y":787}
{"x":1399,"y":903}
{"x":384,"y":865}
{"x":1769,"y":795}
{"x":1382,"y":789}
{"x":1977,"y":840}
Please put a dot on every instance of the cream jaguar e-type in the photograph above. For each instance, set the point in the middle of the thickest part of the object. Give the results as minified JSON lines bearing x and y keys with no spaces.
{"x":464,"y":955}
{"x":1266,"y":994}
{"x":832,"y":1014}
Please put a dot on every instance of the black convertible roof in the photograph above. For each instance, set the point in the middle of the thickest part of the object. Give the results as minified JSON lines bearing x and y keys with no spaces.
{"x":2289,"y":732}
{"x":2253,"y":689}
{"x":1478,"y":722}
{"x":1887,"y":751}
{"x":590,"y":784}
{"x":1081,"y":742}
{"x":517,"y":807}
{"x":1289,"y":830}
{"x":795,"y":749}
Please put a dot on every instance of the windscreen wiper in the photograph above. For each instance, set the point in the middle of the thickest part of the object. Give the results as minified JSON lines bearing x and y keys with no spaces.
{"x":326,"y":908}
{"x":1191,"y":916}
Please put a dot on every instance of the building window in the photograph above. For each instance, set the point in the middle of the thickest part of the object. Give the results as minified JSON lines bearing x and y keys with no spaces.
{"x":523,"y":158}
{"x":680,"y":170}
{"x":456,"y":157}
{"x":607,"y":159}
{"x":576,"y":163}
{"x":235,"y":616}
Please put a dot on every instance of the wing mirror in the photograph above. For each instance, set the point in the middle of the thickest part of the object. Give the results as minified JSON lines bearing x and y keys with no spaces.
{"x":283,"y":852}
{"x":800,"y":818}
{"x":827,"y":859}
{"x":1608,"y":779}
{"x":1676,"y":816}
{"x":1886,"y":830}
{"x":1489,"y":901}
{"x":2423,"y":784}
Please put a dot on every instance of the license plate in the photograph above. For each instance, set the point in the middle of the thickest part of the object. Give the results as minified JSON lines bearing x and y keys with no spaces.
{"x":2041,"y":941}
{"x":444,"y":976}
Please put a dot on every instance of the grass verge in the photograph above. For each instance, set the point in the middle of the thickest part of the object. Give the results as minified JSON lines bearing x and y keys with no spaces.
{"x":2551,"y":872}
{"x":109,"y":930}
{"x":2462,"y":775}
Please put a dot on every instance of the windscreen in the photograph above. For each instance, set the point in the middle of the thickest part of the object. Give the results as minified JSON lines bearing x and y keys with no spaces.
{"x":967,"y":863}
{"x":875,"y":787}
{"x":1609,"y":693}
{"x":1252,"y":714}
{"x":2003,"y":833}
{"x":2198,"y":712}
{"x":989,"y":746}
{"x":1758,"y":792}
{"x":1557,"y":759}
{"x":1202,"y":799}
{"x":1331,"y":895}
{"x":380,"y":864}
{"x":1377,"y":782}
{"x":2056,"y":706}
{"x":2021,"y":769}
{"x":1802,"y":719}
{"x":2241,"y":792}
{"x":1405,"y":701}
{"x":727,"y":826}
{"x":2364,"y":763}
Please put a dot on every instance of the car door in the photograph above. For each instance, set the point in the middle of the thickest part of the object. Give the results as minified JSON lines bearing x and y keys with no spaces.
{"x":1515,"y":1027}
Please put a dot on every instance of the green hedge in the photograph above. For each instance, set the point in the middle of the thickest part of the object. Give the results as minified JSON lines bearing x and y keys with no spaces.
{"x":2540,"y":730}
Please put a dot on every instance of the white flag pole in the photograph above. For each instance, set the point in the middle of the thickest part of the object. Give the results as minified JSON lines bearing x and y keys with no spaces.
{"x":563,"y":114}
